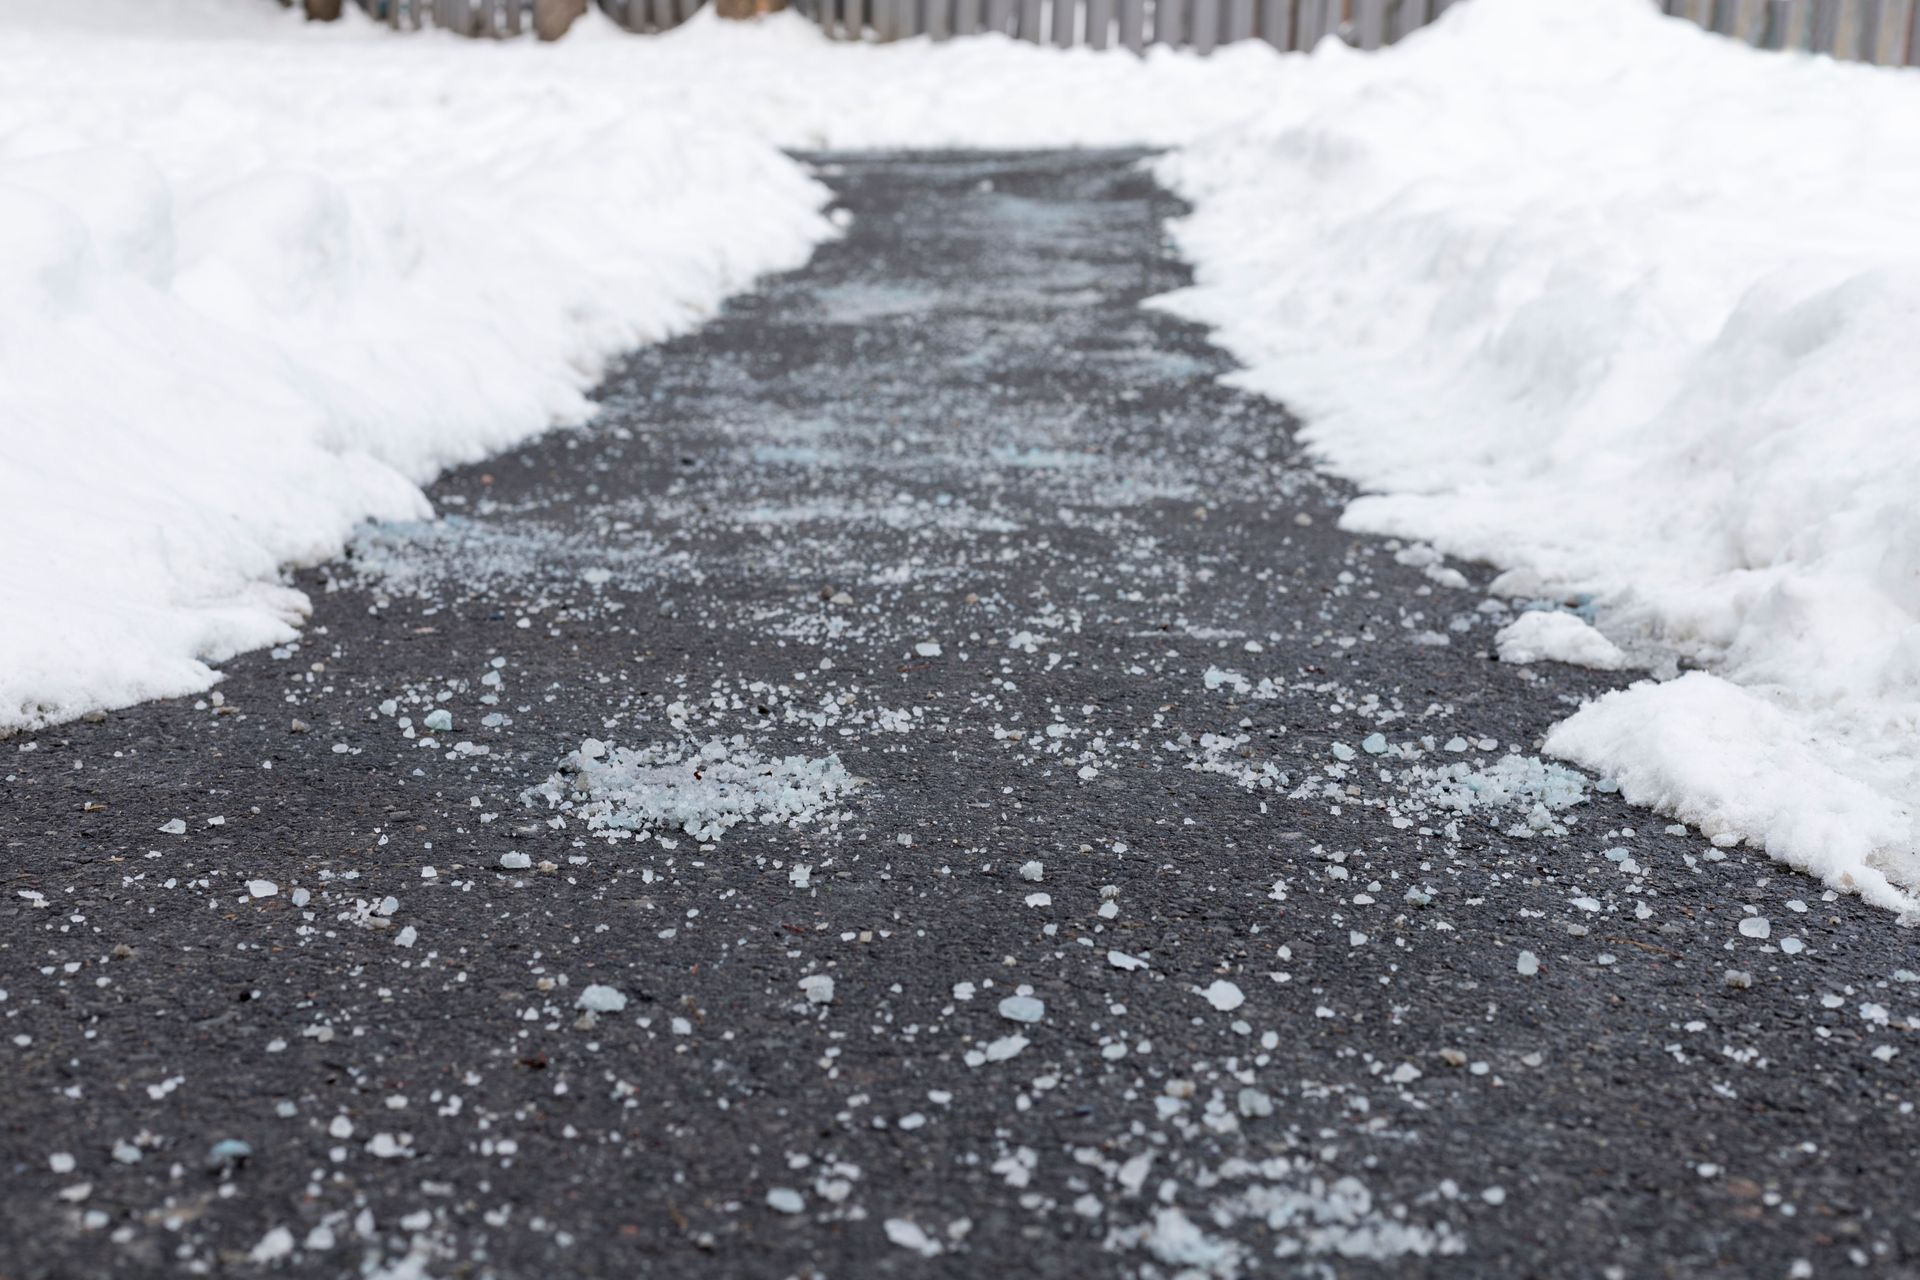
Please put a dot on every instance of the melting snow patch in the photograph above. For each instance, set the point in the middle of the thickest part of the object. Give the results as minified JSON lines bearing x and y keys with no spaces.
{"x":701,"y":791}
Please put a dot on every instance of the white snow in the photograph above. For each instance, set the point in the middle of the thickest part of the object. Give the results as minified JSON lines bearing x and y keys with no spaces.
{"x":1732,"y":762}
{"x":263,"y":278}
{"x":599,"y":998}
{"x":1547,"y":635}
{"x":1628,"y":310}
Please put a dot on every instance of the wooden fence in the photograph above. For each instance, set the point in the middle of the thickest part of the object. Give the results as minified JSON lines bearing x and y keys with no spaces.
{"x":1880,"y":31}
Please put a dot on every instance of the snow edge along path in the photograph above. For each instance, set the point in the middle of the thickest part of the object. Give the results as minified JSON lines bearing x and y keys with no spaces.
{"x":1620,"y":307}
{"x":264,"y":280}
{"x":209,"y":370}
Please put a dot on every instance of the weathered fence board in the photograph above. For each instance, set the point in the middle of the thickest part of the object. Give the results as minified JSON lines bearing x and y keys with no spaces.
{"x":1276,"y":23}
{"x":1166,"y":23}
{"x":1099,"y":23}
{"x":1206,"y":25}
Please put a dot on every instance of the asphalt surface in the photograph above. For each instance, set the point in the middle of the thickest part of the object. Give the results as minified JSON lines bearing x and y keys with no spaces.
{"x":966,"y":546}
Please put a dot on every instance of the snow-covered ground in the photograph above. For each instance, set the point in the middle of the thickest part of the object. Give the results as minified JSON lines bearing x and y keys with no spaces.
{"x":1629,"y":311}
{"x":1585,"y":292}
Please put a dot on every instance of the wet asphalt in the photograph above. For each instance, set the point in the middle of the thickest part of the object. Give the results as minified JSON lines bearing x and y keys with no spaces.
{"x":952,"y":507}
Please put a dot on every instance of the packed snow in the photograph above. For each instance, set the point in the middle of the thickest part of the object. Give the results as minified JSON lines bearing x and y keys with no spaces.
{"x":1626,"y":309}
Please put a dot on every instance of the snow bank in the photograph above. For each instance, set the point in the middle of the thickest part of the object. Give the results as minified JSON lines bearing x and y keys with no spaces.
{"x":250,"y":298}
{"x":1630,"y":310}
{"x":263,"y":279}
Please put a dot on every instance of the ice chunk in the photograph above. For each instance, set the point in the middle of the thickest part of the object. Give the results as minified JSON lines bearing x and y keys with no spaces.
{"x":1022,"y":1009}
{"x":599,"y":998}
{"x":1005,"y":1047}
{"x":1224,"y":995}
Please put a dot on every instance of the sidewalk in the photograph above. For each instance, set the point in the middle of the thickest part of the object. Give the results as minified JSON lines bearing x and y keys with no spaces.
{"x":1191,"y":897}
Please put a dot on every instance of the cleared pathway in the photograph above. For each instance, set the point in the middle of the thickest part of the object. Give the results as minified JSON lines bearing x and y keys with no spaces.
{"x":1146,"y":895}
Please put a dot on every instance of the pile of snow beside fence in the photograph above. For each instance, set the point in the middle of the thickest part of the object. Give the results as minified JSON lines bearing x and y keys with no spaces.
{"x":1632,"y":312}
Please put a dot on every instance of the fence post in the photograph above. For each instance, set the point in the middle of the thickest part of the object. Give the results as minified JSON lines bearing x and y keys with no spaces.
{"x":1370,"y":23}
{"x":1871,"y":11}
{"x":1913,"y":36}
{"x":323,"y":10}
{"x":1206,"y":25}
{"x":1826,"y":26}
{"x":1276,"y":23}
{"x":1063,"y":14}
{"x":1099,"y":23}
{"x":551,"y":18}
{"x":1166,"y":23}
{"x":1239,"y":25}
{"x":1306,"y":26}
{"x":1776,"y":34}
{"x":1133,"y":25}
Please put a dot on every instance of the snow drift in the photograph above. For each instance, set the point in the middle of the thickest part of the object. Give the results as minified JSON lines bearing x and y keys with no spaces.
{"x":1629,"y":310}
